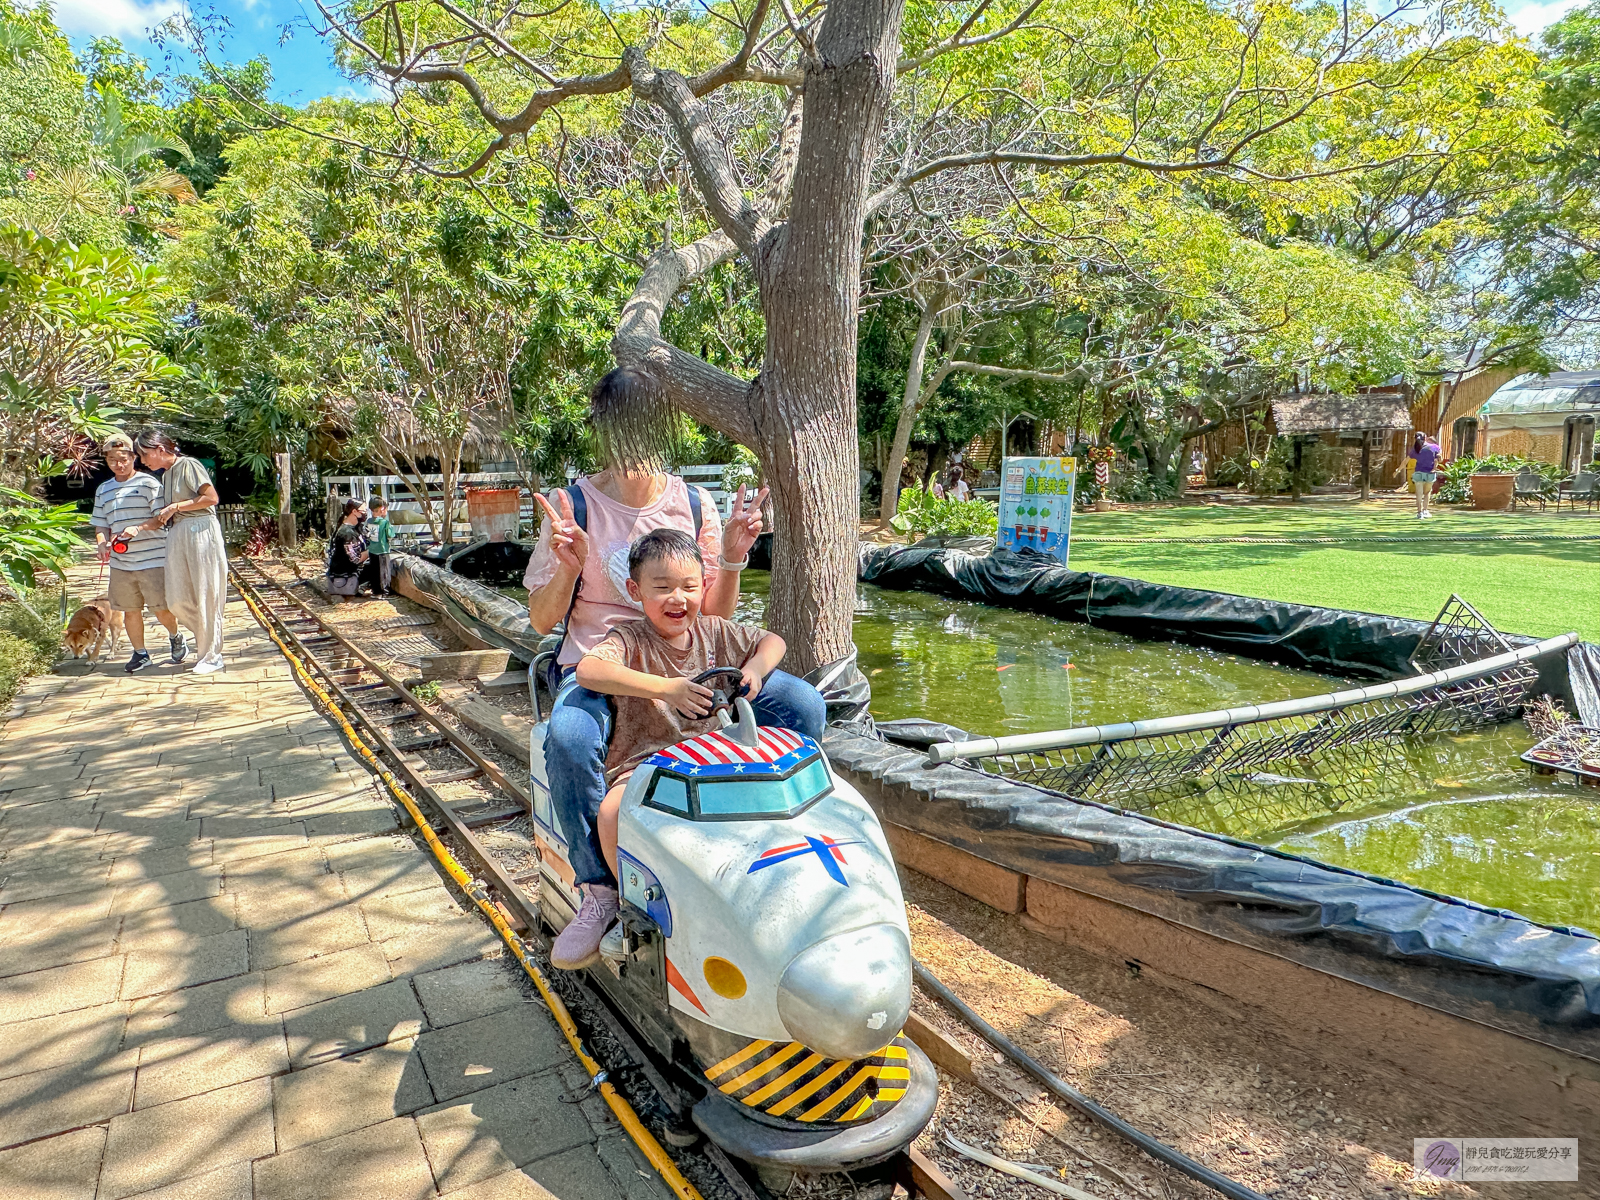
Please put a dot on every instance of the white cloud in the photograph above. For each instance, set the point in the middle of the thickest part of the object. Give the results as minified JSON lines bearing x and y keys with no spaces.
{"x":116,"y":18}
{"x":1530,"y":18}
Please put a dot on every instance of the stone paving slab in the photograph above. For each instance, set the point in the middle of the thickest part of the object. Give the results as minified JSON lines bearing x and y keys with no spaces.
{"x":226,"y":974}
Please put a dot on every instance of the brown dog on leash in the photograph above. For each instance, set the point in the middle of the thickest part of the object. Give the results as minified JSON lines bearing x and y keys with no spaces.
{"x":91,"y":626}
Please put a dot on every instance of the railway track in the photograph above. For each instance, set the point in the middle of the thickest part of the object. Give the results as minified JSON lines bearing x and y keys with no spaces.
{"x":417,"y":755}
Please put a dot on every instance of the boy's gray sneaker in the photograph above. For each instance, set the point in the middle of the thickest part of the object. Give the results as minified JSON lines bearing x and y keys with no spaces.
{"x":579,"y":943}
{"x":180,"y":647}
{"x":611,"y":944}
{"x":139,"y":661}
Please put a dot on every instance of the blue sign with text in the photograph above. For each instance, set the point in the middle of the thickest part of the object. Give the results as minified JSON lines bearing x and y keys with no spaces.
{"x":1036,"y":505}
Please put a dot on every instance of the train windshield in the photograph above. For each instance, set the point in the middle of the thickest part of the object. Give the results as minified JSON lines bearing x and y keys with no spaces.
{"x":756,"y":798}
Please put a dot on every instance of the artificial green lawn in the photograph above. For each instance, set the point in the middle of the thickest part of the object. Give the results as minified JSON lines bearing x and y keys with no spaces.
{"x":1538,"y":588}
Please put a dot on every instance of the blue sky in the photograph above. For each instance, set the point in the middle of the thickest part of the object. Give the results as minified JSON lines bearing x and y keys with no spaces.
{"x":1530,"y":18}
{"x":302,"y":68}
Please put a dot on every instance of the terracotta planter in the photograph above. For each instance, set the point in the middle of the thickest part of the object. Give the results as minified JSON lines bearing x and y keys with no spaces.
{"x":1492,"y":491}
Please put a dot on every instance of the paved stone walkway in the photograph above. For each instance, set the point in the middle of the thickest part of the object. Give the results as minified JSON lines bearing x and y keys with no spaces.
{"x":225,"y":974}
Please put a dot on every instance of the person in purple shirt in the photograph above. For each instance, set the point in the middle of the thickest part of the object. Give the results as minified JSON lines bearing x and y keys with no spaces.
{"x":1426,"y":451}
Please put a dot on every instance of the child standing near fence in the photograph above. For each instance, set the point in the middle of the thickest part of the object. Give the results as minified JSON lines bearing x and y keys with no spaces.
{"x":379,"y":532}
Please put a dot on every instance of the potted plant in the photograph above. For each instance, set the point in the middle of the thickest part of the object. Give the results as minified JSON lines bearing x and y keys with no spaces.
{"x":1491,"y":487}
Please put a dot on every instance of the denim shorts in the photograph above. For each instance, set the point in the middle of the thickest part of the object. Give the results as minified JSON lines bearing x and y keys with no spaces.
{"x":1424,"y":476}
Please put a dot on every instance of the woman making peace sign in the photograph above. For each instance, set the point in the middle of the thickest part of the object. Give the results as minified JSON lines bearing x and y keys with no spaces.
{"x":583,"y":565}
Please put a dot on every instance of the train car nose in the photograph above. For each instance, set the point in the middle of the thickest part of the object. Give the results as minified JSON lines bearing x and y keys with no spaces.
{"x":848,"y":995}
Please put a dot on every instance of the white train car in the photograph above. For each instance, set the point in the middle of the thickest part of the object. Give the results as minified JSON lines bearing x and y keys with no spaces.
{"x":764,"y":950}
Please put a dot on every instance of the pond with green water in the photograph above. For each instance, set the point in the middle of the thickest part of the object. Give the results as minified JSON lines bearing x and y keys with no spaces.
{"x":1460,"y":815}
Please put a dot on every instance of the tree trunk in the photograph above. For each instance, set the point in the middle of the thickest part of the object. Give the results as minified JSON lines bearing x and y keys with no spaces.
{"x":810,"y":272}
{"x":449,"y":482}
{"x":909,"y":404}
{"x":417,"y":482}
{"x":286,"y":530}
{"x":799,"y":415}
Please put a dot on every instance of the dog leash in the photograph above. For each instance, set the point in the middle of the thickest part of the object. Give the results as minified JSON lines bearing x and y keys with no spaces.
{"x":114,"y":544}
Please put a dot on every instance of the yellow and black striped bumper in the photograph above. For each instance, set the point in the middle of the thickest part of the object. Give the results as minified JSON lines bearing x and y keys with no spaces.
{"x":784,"y":1079}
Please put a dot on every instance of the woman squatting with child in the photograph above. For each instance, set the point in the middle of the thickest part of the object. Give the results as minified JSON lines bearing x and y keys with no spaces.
{"x":645,"y":611}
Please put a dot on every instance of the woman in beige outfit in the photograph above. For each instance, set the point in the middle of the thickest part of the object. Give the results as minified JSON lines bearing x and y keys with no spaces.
{"x":197,"y":563}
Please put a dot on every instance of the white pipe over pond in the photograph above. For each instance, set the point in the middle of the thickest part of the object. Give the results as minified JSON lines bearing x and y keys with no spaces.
{"x":1089,"y":735}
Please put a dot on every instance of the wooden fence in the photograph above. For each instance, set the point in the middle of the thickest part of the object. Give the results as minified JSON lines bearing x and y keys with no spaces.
{"x":237,"y":519}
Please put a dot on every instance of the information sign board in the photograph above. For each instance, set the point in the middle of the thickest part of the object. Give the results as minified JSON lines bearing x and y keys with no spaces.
{"x":1036,"y":505}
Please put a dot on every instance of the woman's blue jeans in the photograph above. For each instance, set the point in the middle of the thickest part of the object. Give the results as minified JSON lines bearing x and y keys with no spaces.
{"x":575,"y":749}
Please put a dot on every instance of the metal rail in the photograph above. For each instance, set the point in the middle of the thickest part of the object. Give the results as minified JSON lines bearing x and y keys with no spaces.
{"x":358,"y":700}
{"x":1089,"y":735}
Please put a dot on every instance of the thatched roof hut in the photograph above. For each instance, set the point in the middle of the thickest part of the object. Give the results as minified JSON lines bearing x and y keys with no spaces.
{"x":1326,"y":412}
{"x":1363,"y":417}
{"x":485,"y":439}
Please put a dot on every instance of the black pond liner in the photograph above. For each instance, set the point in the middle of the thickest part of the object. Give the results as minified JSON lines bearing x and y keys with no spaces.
{"x":498,"y":620}
{"x":1487,"y":964}
{"x":1333,"y":641}
{"x":494,"y":564}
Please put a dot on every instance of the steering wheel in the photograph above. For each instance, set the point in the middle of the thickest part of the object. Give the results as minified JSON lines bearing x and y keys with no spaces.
{"x":725,"y":683}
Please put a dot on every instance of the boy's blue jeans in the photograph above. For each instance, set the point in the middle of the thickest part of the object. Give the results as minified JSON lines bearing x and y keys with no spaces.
{"x":575,"y":749}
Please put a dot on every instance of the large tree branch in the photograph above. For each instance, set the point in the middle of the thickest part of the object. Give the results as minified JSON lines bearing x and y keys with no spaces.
{"x":1066,"y":376}
{"x":708,"y":155}
{"x":1221,"y":162}
{"x":705,"y":392}
{"x":420,"y":67}
{"x":737,"y":69}
{"x":780,"y":179}
{"x":428,"y":64}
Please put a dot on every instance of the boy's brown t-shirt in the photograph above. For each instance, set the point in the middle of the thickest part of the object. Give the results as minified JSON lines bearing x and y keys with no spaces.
{"x":645,"y":726}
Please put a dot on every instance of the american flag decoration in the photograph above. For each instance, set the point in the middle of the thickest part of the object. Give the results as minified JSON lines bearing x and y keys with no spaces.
{"x":714,"y":755}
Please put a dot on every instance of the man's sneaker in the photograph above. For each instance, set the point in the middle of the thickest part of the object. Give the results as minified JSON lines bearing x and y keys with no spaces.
{"x":139,"y":661}
{"x":611,"y":944}
{"x":579,"y":943}
{"x":180,"y":647}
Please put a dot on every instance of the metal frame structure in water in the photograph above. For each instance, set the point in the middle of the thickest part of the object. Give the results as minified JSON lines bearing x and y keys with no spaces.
{"x":1328,"y":733}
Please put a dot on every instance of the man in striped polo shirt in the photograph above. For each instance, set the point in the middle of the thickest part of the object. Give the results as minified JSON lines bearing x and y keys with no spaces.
{"x":138,"y":572}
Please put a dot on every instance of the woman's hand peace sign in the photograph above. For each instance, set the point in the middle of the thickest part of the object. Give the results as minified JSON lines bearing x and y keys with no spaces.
{"x":568,"y":542}
{"x":744,"y":525}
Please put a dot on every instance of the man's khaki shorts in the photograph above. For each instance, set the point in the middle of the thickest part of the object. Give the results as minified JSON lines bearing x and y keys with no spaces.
{"x":132,"y":590}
